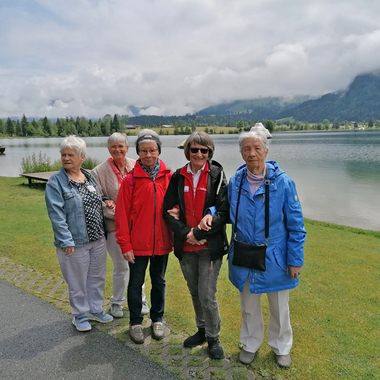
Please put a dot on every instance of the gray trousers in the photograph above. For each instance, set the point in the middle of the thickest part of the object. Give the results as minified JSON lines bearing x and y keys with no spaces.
{"x":201,"y":276}
{"x":85,"y":274}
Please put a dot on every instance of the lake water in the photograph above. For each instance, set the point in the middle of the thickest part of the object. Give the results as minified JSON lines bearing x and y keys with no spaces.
{"x":337,"y":173}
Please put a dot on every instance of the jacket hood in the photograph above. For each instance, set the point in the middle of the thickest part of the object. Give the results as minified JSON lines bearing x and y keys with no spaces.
{"x":274,"y":170}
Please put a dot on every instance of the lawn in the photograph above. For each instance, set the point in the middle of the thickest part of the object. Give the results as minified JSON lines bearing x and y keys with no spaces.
{"x":335,"y":312}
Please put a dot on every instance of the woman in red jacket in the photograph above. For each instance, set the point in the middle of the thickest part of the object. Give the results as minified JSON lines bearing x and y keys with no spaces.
{"x":142,"y":233}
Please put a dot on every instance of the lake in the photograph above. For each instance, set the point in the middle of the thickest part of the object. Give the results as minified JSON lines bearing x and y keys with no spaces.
{"x":337,"y":174}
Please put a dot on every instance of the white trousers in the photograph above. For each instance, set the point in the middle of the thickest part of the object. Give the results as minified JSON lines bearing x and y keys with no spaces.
{"x":85,"y":274}
{"x":120,"y":273}
{"x":280,"y":334}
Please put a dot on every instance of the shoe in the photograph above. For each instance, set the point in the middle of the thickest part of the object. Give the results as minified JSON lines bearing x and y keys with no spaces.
{"x":81,"y":323}
{"x":196,"y":340}
{"x":145,"y":308}
{"x":136,"y":333}
{"x":215,"y":350}
{"x":283,"y":361}
{"x":117,"y":310}
{"x":101,"y":317}
{"x":158,"y":331}
{"x":246,"y":357}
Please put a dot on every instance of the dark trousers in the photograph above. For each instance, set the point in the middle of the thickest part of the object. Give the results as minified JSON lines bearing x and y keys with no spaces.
{"x":157,"y":269}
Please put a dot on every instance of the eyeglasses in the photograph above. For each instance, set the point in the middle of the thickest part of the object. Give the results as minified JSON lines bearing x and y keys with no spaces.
{"x":151,"y":151}
{"x":203,"y":150}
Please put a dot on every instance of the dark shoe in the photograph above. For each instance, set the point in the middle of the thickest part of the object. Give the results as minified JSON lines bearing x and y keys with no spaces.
{"x":215,"y":350}
{"x":136,"y":333}
{"x":283,"y":361}
{"x":246,"y":357}
{"x":158,"y":331}
{"x":196,"y":340}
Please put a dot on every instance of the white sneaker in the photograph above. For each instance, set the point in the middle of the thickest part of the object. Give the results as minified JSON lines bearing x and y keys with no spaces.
{"x":117,"y":310}
{"x":145,"y":308}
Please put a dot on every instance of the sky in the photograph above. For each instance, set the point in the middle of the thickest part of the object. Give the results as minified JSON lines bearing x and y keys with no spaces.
{"x":89,"y":58}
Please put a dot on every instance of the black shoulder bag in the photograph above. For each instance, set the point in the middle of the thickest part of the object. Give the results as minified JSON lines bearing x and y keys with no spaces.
{"x":246,"y":255}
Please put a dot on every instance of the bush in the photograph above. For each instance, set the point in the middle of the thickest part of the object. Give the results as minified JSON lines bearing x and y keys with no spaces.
{"x":42,"y":163}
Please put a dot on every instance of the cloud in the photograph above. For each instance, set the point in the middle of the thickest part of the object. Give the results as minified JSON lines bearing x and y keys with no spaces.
{"x":93,"y":57}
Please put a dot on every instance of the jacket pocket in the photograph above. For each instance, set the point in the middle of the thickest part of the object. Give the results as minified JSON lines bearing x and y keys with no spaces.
{"x":280,"y":259}
{"x":68,"y":195}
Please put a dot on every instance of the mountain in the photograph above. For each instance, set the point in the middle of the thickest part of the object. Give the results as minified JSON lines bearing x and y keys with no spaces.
{"x":259,"y":108}
{"x":359,"y":102}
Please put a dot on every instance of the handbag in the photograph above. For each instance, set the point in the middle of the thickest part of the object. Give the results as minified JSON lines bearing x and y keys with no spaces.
{"x":246,"y":255}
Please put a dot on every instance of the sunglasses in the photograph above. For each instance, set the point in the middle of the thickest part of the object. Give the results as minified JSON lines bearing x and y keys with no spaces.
{"x":203,"y":150}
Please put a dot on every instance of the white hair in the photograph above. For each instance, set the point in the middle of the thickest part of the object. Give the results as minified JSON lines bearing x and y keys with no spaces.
{"x":74,"y":142}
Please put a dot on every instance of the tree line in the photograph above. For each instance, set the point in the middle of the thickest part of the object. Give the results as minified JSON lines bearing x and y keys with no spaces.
{"x":63,"y":127}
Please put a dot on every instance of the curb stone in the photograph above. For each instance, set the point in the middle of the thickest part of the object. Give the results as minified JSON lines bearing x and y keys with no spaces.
{"x":189,"y":364}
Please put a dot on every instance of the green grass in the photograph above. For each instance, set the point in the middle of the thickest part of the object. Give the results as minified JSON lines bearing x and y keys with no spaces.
{"x":334,"y":312}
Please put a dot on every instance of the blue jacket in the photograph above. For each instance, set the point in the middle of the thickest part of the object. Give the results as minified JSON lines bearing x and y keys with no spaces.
{"x":286,"y":230}
{"x":66,"y":211}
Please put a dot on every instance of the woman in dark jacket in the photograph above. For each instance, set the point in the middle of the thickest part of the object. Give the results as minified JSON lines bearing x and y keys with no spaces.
{"x":195,"y":188}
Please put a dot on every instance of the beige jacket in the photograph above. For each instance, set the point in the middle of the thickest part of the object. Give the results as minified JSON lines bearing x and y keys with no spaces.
{"x":108,"y":183}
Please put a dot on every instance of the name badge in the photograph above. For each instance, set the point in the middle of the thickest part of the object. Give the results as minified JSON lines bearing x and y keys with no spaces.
{"x":186,"y":189}
{"x":91,"y":188}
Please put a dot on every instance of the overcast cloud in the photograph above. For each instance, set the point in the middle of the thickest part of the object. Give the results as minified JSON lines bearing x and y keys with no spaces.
{"x":92,"y":57}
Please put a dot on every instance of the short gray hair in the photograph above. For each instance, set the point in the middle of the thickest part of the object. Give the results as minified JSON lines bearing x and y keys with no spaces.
{"x":74,"y":142}
{"x":147,"y":135}
{"x":257,"y":135}
{"x":118,"y":137}
{"x":200,"y":138}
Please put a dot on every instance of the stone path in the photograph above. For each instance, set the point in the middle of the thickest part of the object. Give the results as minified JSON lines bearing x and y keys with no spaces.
{"x":170,"y":353}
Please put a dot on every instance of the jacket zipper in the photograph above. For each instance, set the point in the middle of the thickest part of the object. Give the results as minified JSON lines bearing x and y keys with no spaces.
{"x":154,"y":218}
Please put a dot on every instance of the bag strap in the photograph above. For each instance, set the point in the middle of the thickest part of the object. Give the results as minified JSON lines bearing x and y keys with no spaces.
{"x":267,"y":182}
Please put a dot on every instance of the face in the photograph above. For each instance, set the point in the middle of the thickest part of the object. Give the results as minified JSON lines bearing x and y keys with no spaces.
{"x":118,"y":150}
{"x":148,"y":153}
{"x":198,"y":159}
{"x":71,"y":160}
{"x":254,"y":154}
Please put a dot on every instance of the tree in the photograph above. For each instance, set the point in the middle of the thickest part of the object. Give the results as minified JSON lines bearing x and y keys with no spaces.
{"x":336,"y":124}
{"x":356,"y":126}
{"x":269,"y":125}
{"x":116,"y":125}
{"x":46,"y":126}
{"x":9,"y":127}
{"x":2,"y":128}
{"x":24,"y":125}
{"x":240,"y":125}
{"x":326,"y":124}
{"x":370,"y":123}
{"x":18,"y":129}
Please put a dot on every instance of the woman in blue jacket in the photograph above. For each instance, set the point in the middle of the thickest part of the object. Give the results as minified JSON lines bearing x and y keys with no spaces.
{"x":284,"y":252}
{"x":74,"y":206}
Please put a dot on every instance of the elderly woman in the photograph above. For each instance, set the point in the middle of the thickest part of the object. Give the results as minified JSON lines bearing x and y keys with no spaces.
{"x":109,"y":176}
{"x":197,"y":186}
{"x":75,"y":210}
{"x":278,"y":267}
{"x":142,"y":233}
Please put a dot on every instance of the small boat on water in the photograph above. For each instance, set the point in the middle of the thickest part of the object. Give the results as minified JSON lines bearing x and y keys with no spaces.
{"x":182,"y":145}
{"x":2,"y":149}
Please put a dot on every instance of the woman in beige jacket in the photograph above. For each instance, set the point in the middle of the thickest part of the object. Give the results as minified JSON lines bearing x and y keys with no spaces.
{"x":109,"y":175}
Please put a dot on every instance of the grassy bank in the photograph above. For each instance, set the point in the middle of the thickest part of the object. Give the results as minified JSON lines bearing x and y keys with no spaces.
{"x":335,"y":311}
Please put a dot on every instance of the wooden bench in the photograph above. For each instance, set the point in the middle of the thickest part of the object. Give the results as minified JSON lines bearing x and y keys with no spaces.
{"x":44,"y":176}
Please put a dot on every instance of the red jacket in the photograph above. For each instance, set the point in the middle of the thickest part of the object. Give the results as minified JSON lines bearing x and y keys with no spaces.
{"x":139,"y":222}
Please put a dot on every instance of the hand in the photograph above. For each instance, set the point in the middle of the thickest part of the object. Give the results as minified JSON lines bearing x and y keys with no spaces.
{"x":68,"y":251}
{"x":205,"y":223}
{"x":294,"y":271}
{"x":110,"y":204}
{"x":174,"y":212}
{"x":129,"y":256}
{"x":190,"y":239}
